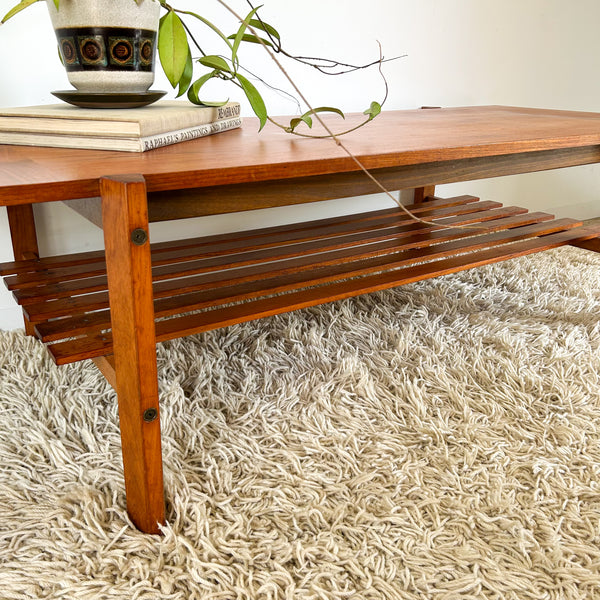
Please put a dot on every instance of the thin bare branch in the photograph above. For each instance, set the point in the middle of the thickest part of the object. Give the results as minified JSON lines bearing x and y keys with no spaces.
{"x":334,"y":136}
{"x":191,"y":36}
{"x":272,"y":87}
{"x":323,"y":65}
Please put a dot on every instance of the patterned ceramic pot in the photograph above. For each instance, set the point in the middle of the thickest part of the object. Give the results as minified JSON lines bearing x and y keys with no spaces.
{"x":107,"y":46}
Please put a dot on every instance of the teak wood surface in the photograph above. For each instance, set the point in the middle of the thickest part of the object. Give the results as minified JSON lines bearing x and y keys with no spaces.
{"x":128,"y":269}
{"x":394,"y":139}
{"x":103,"y":304}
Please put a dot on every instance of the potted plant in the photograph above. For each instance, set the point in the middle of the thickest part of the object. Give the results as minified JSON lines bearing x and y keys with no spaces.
{"x":109,"y":46}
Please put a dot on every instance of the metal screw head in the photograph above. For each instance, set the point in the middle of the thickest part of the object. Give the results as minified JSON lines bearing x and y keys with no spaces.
{"x":139,"y":236}
{"x":150,"y":415}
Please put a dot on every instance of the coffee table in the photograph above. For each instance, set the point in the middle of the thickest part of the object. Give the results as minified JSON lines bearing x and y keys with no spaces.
{"x":113,"y":306}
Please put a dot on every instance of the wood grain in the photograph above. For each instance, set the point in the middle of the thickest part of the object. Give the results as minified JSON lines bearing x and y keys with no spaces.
{"x":194,"y":275}
{"x":43,"y":301}
{"x":281,"y":260}
{"x":132,"y":321}
{"x":427,"y":211}
{"x":395,"y":139}
{"x":187,"y":324}
{"x":308,"y":271}
{"x":88,"y":294}
{"x":21,"y":222}
{"x":203,"y":251}
{"x":423,"y":194}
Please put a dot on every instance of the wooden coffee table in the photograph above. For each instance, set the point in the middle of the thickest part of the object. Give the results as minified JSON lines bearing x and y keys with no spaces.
{"x":114,"y":306}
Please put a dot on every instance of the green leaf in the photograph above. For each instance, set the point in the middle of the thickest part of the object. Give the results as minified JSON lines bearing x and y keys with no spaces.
{"x":186,"y":78}
{"x":17,"y":9}
{"x":255,"y":99}
{"x":293,"y":124}
{"x":321,"y":109}
{"x":195,"y":88}
{"x":215,"y":62}
{"x":56,"y":3}
{"x":214,"y":102}
{"x":373,"y":110}
{"x":306,"y":117}
{"x":248,"y":37}
{"x":303,"y":119}
{"x":262,"y":26}
{"x":240,"y":34}
{"x":173,"y":47}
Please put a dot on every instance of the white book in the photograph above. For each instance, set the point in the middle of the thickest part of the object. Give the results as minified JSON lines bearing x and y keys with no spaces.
{"x":65,"y":119}
{"x":125,"y":144}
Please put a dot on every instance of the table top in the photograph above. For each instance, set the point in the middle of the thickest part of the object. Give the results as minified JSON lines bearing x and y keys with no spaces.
{"x":393,"y":139}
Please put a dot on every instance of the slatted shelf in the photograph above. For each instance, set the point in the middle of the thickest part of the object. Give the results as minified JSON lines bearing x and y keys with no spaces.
{"x":25,"y":266}
{"x":182,"y":279}
{"x":205,"y":283}
{"x":221,"y":248}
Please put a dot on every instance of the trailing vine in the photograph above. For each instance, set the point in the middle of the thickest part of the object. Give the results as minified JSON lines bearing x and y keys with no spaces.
{"x":176,"y":40}
{"x":175,"y":43}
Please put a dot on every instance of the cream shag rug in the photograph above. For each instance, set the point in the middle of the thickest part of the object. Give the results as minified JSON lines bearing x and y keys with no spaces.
{"x":438,"y":441}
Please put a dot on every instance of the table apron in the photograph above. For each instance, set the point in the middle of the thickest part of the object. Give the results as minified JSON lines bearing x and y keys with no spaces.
{"x":201,"y":201}
{"x":182,"y":204}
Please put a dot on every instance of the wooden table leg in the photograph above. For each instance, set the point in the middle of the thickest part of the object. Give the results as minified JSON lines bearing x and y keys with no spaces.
{"x":128,"y":265}
{"x":24,"y":240}
{"x":422,"y":193}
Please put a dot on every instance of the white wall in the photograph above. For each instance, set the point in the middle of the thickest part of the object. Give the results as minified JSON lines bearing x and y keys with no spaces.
{"x":542,"y":53}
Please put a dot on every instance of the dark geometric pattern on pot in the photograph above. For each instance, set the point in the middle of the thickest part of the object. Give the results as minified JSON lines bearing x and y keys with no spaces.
{"x":92,"y":50}
{"x":68,"y":52}
{"x":121,"y":51}
{"x":107,"y":48}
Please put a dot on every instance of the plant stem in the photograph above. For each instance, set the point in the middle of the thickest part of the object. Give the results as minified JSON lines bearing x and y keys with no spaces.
{"x":312,"y":61}
{"x":334,"y":136}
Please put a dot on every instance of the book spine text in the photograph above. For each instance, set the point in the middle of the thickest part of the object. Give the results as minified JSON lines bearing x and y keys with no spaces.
{"x":190,"y":133}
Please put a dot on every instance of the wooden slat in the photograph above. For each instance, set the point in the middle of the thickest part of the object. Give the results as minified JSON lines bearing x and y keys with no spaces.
{"x":81,"y":258}
{"x":170,"y":276}
{"x":91,"y":346}
{"x":95,"y":301}
{"x":276,"y":269}
{"x":88,"y":300}
{"x":31,"y":295}
{"x":305,"y":272}
{"x":303,"y":233}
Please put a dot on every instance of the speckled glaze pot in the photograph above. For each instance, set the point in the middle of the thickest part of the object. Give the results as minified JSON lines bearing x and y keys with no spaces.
{"x":107,"y":46}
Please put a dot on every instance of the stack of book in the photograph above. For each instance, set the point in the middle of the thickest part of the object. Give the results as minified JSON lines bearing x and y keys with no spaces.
{"x":130,"y":130}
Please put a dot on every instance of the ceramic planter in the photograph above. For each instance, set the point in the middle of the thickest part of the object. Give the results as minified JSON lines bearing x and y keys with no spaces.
{"x":107,"y":46}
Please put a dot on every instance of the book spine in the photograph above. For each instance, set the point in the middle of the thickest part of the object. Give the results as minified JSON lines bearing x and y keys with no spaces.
{"x":150,"y":142}
{"x":193,"y":117}
{"x":131,"y":123}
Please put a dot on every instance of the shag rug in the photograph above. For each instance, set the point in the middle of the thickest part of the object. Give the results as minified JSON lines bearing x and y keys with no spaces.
{"x":437,"y":441}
